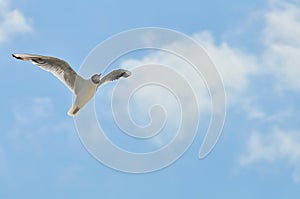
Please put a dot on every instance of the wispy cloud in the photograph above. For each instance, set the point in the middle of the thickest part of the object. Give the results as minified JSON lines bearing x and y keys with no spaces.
{"x":28,"y":114}
{"x":68,"y":175}
{"x":33,"y":133}
{"x":5,"y":166}
{"x":12,"y":21}
{"x":278,"y":146}
{"x":279,"y":60}
{"x":29,"y":110}
{"x":34,"y":123}
{"x":3,"y":163}
{"x":281,"y":38}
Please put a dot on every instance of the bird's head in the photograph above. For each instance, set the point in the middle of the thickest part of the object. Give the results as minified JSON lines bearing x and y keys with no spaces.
{"x":96,"y":78}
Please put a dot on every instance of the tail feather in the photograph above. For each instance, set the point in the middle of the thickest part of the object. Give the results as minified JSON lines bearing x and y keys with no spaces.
{"x":74,"y":110}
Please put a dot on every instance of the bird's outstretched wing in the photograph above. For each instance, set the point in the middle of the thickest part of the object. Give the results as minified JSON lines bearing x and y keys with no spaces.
{"x":60,"y":68}
{"x":114,"y":75}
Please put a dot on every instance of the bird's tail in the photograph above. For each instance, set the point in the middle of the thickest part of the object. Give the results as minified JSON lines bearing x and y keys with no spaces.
{"x":74,"y":110}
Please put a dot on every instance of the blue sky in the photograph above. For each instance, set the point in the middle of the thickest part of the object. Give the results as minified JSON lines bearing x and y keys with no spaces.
{"x":255,"y":46}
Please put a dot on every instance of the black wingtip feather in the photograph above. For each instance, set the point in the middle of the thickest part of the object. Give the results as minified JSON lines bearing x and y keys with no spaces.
{"x":16,"y":56}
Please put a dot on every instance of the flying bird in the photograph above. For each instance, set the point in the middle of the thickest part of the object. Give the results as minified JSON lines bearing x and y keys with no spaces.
{"x":84,"y":89}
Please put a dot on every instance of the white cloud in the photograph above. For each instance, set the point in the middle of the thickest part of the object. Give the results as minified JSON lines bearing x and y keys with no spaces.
{"x":12,"y":21}
{"x":234,"y":65}
{"x":278,"y":146}
{"x":256,"y":112}
{"x":277,"y":58}
{"x":282,"y":42}
{"x":282,"y":23}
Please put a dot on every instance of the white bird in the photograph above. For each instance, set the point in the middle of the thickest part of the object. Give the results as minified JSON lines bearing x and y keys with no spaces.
{"x":84,"y":89}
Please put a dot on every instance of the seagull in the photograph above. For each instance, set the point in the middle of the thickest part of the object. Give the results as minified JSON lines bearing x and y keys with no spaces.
{"x":84,"y":89}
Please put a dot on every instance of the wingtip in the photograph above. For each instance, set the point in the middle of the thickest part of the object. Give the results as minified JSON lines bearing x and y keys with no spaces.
{"x":15,"y":56}
{"x":127,"y":73}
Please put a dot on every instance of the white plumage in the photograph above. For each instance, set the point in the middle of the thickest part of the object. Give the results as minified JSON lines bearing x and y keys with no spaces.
{"x":84,"y":89}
